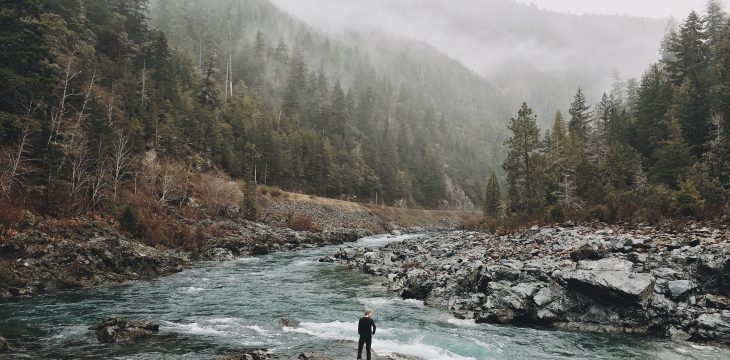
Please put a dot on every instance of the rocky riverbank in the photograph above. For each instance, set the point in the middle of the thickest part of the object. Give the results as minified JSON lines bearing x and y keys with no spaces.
{"x":92,"y":253}
{"x":606,"y":279}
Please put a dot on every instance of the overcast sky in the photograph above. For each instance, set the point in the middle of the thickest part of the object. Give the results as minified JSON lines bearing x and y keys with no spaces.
{"x":645,"y":8}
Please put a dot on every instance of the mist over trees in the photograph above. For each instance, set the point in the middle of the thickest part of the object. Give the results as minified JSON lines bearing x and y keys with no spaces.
{"x":652,"y":148}
{"x":109,"y":102}
{"x":527,"y":53}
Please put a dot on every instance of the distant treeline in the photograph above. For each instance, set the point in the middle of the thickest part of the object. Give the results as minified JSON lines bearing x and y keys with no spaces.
{"x":655,"y":147}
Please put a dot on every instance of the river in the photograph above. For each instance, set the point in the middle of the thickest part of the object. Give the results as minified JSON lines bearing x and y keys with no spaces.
{"x":226,"y":308}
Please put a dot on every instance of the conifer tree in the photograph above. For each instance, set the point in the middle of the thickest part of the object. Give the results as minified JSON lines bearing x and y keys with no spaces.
{"x":524,"y":164}
{"x":672,"y":158}
{"x":492,"y":197}
{"x":579,"y":116}
{"x":715,"y":20}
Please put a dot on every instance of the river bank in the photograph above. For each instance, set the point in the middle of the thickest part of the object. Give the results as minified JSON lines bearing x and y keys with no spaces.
{"x":217,"y":310}
{"x":88,"y":253}
{"x":645,"y":280}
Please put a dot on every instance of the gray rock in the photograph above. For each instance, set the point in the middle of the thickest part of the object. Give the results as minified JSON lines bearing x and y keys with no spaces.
{"x":417,"y":284}
{"x":251,"y":355}
{"x":608,"y":286}
{"x":678,"y":335}
{"x":608,"y":264}
{"x":587,"y":252}
{"x":115,"y":329}
{"x":290,"y":323}
{"x":679,"y":288}
{"x":314,"y":356}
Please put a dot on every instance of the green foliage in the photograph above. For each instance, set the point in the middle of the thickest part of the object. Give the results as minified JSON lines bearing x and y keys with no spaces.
{"x":492,"y":198}
{"x":250,"y":208}
{"x":525,"y":164}
{"x":687,"y":200}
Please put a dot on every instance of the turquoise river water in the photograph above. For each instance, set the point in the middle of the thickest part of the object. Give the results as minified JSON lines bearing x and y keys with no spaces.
{"x":226,"y":308}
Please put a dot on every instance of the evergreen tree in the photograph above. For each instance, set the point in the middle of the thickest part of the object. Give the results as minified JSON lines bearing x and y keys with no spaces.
{"x":492,"y":198}
{"x":579,"y":116}
{"x":524,"y":164}
{"x":715,"y":20}
{"x":26,"y":71}
{"x":655,"y":95}
{"x":672,"y":158}
{"x":690,"y":52}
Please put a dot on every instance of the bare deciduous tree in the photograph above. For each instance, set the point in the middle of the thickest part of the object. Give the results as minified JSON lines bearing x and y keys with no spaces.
{"x":120,"y":160}
{"x":12,"y":163}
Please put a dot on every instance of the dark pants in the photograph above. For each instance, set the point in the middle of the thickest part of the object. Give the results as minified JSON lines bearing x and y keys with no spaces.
{"x":368,"y":342}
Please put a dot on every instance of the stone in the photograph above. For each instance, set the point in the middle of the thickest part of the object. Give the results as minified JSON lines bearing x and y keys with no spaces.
{"x":586,"y":252}
{"x":678,"y":288}
{"x":314,"y":356}
{"x":4,"y":347}
{"x":115,"y":329}
{"x":608,"y":264}
{"x":417,"y":284}
{"x":251,"y":355}
{"x":678,"y":335}
{"x":607,"y":286}
{"x":290,"y":323}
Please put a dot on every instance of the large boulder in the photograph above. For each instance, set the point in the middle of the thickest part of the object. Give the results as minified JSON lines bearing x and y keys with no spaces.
{"x":712,"y":326}
{"x":506,"y":303}
{"x":115,"y":329}
{"x":607,"y":286}
{"x":678,"y":289}
{"x":417,"y":284}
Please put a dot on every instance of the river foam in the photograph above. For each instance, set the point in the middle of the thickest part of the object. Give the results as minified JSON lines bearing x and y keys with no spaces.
{"x":339,"y":330}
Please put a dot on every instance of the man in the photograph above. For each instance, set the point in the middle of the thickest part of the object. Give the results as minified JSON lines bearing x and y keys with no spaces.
{"x":366,"y":329}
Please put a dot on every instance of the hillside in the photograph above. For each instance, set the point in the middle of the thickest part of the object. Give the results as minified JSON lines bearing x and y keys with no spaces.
{"x":528,"y":53}
{"x":414,"y":121}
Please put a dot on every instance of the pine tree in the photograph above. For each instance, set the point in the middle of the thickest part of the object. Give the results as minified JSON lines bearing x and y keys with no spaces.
{"x":689,"y":50}
{"x":524,"y":164}
{"x":21,"y":36}
{"x":691,"y":113}
{"x":579,"y":116}
{"x":559,"y":158}
{"x":715,"y":20}
{"x":492,"y":198}
{"x":672,"y":158}
{"x":655,"y":93}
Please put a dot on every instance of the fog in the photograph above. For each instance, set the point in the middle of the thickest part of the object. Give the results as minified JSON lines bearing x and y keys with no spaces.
{"x":644,"y":8}
{"x":521,"y":48}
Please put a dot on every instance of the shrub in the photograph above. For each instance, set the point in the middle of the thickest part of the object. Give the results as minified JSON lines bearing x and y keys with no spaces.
{"x":129,"y":221}
{"x":557,"y":213}
{"x":218,"y":194}
{"x":250,"y":208}
{"x":301,"y":222}
{"x":687,"y":200}
{"x":599,"y":212}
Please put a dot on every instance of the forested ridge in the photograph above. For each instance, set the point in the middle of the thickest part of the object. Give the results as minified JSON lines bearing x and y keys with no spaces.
{"x":651,"y":148}
{"x":102,"y":95}
{"x":119,"y":105}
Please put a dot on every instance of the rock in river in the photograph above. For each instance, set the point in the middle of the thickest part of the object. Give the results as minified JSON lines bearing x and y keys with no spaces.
{"x":115,"y":329}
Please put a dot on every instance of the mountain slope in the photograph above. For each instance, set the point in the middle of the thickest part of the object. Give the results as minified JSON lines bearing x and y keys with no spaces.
{"x":437,"y":121}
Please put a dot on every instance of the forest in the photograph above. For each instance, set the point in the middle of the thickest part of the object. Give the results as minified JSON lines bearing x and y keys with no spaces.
{"x":112,"y":106}
{"x":651,"y":148}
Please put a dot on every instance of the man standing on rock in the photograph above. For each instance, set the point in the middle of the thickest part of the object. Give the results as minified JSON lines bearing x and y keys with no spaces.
{"x":366,"y":329}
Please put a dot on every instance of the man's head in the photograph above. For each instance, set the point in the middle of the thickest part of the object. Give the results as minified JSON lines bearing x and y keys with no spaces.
{"x":368,"y":312}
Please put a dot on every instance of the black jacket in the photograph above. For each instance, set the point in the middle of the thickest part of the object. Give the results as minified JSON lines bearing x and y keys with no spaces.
{"x":364,"y":326}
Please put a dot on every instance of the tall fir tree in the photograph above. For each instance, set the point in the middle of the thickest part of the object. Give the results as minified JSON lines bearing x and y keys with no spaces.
{"x":524,"y":164}
{"x":492,"y":198}
{"x":579,"y":116}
